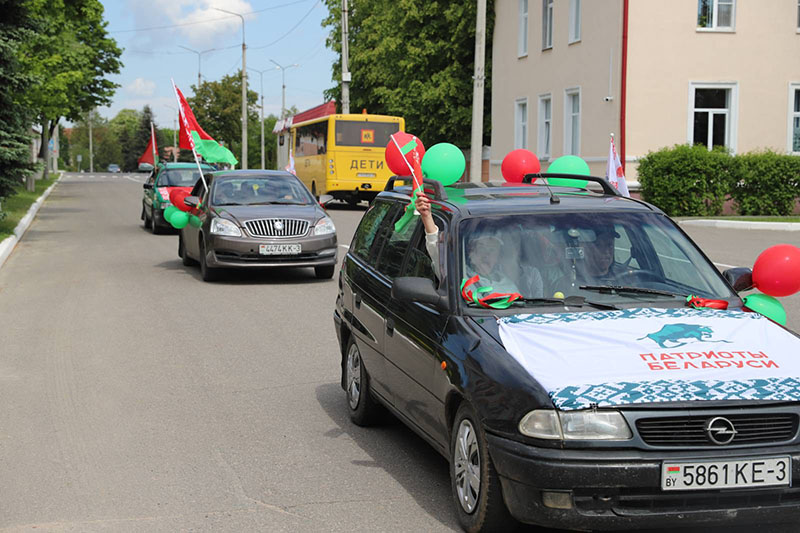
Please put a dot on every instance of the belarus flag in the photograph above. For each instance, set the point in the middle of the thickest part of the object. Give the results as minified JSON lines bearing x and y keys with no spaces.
{"x":192,"y":137}
{"x":150,"y":154}
{"x":614,"y":173}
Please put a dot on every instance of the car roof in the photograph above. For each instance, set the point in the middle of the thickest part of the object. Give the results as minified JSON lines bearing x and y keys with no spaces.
{"x":168,"y":166}
{"x":220,"y":174}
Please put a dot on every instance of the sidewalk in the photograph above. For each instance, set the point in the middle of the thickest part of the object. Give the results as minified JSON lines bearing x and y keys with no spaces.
{"x":743,"y":224}
{"x":8,"y":244}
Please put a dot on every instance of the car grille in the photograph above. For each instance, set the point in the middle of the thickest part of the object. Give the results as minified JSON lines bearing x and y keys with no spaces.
{"x":756,"y":428}
{"x":277,"y":227}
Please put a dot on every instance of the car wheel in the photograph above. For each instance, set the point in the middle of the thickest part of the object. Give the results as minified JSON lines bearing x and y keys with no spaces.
{"x":187,"y":261}
{"x":352,"y":201}
{"x":363,"y":408}
{"x":324,"y":272}
{"x":147,"y":221}
{"x":474,"y":481}
{"x":206,"y":272}
{"x":154,"y":227}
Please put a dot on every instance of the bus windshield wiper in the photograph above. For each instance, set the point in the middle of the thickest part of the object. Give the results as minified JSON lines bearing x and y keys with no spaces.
{"x":624,"y":288}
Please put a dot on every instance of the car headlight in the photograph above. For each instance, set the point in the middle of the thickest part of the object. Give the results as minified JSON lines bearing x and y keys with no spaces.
{"x":324,"y":227}
{"x":222,"y":226}
{"x":575,"y":425}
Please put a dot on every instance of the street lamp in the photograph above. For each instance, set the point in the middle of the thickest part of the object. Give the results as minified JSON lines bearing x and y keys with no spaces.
{"x":283,"y":85}
{"x":199,"y":54}
{"x":261,"y":76}
{"x":244,"y":90}
{"x":175,"y":148}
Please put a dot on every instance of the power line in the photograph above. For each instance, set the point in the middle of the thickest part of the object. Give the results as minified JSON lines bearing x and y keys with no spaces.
{"x":290,"y":31}
{"x":209,"y":20}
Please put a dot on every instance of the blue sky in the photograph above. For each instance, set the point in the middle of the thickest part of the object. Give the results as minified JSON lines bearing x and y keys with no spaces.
{"x":286,"y":31}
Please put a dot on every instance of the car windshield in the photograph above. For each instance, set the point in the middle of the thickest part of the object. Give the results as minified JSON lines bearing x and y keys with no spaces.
{"x":602,"y":257}
{"x":179,"y":177}
{"x":259,"y":190}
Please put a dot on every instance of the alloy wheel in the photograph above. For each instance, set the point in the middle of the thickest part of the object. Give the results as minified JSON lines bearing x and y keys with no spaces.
{"x":467,"y":466}
{"x":353,"y":376}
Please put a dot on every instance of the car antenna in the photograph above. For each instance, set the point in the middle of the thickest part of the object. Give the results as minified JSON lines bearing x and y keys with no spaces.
{"x":528,"y":178}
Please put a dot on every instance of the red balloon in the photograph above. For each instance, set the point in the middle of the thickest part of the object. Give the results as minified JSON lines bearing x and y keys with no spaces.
{"x":395,"y":160}
{"x":518,"y":163}
{"x":176,"y":197}
{"x":777,"y":270}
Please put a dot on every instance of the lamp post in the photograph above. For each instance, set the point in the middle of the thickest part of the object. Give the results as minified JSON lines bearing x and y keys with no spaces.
{"x":261,"y":76}
{"x":244,"y":89}
{"x":199,"y":55}
{"x":283,"y":85}
{"x":175,"y":148}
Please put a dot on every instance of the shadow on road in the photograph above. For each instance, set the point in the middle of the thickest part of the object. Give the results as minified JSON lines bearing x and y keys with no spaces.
{"x":343,"y":206}
{"x":250,"y":276}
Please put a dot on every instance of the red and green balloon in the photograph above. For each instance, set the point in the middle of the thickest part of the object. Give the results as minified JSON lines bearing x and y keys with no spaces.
{"x":776,"y":272}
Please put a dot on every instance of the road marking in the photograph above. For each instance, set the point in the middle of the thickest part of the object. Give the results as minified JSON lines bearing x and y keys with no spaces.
{"x":132,"y":179}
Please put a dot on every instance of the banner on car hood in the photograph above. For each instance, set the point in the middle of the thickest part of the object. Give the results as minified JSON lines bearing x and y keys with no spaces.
{"x":655,"y":355}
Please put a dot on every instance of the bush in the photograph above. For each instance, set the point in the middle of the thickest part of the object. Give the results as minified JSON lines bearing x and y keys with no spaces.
{"x":686,"y":180}
{"x":765,"y":183}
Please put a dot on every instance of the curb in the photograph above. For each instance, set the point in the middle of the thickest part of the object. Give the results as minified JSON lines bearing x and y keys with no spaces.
{"x":743,"y":224}
{"x":8,"y":244}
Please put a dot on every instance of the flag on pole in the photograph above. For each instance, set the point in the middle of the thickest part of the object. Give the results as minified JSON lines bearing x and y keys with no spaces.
{"x":150,"y":154}
{"x":290,"y":166}
{"x":193,"y":137}
{"x":614,"y":173}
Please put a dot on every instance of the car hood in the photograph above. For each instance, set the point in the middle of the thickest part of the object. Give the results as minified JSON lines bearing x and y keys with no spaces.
{"x":242,"y":213}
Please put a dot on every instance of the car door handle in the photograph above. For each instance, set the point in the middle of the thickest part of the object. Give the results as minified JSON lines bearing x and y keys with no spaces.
{"x":389,"y":326}
{"x":357,"y":299}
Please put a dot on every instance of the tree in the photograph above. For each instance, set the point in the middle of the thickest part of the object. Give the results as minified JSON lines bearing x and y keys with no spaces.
{"x":414,"y":59}
{"x":139,"y":142}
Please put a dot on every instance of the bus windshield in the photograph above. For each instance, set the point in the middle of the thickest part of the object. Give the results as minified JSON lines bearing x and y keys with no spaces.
{"x":364,"y":133}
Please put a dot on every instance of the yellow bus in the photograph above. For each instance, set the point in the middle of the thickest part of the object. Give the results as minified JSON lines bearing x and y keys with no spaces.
{"x":343,"y":155}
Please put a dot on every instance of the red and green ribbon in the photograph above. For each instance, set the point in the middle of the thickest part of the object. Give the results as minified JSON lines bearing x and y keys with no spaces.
{"x":705,"y":303}
{"x":492,"y":300}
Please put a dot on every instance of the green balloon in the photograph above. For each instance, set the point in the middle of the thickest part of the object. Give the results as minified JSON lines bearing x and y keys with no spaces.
{"x":444,"y":162}
{"x":568,"y":164}
{"x":195,"y":221}
{"x":169,"y":211}
{"x":766,"y":305}
{"x":179,"y":219}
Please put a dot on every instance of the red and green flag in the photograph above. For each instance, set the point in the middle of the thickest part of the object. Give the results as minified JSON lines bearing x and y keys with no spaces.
{"x":193,"y":137}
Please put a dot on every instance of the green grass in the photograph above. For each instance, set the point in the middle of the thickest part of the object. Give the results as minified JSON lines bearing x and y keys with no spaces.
{"x":15,"y":207}
{"x":753,"y":219}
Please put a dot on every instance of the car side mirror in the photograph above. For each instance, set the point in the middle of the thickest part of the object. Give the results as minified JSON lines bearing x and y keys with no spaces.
{"x":191,"y":201}
{"x":147,"y":185}
{"x":740,"y":278}
{"x":324,"y":199}
{"x":408,"y":289}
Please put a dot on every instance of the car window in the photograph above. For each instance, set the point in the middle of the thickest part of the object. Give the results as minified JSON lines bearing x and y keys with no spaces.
{"x":179,"y":177}
{"x":394,"y":250}
{"x":364,"y":243}
{"x":260,"y":190}
{"x":419,"y":263}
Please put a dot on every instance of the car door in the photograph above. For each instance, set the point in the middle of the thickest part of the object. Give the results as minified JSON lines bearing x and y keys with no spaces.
{"x":191,"y":234}
{"x":413,"y":332}
{"x":370,"y":293}
{"x":149,"y":191}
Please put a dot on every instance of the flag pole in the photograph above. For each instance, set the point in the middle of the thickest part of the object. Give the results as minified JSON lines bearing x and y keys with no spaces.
{"x":153,"y":141}
{"x":188,"y":134}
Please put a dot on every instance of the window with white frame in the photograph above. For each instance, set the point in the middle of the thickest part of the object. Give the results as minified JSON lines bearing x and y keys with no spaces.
{"x":794,"y":118}
{"x":521,"y":123}
{"x":547,"y":24}
{"x":522,"y":37}
{"x":574,"y":21}
{"x":545,"y":126}
{"x":716,"y":14}
{"x":572,"y":122}
{"x":712,"y":115}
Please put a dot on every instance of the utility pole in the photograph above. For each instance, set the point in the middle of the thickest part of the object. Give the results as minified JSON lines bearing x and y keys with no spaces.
{"x":244,"y":90}
{"x":283,"y":84}
{"x":91,"y":154}
{"x":199,"y":54}
{"x":345,"y":59}
{"x":261,"y":76}
{"x":476,"y":144}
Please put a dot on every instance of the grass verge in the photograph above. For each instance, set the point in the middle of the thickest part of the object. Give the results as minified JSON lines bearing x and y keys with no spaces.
{"x":16,"y":206}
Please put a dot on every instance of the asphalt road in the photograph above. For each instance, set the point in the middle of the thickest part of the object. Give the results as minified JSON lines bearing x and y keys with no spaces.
{"x":135,"y":397}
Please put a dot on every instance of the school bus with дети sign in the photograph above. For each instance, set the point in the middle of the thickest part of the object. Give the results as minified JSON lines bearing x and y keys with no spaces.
{"x":343,"y":155}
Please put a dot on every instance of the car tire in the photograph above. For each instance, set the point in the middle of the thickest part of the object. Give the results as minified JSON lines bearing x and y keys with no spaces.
{"x":364,"y":410}
{"x":324,"y":272}
{"x":185,"y":259}
{"x":206,"y":272}
{"x":352,"y":201}
{"x":147,"y":221}
{"x":154,"y":227}
{"x":474,"y":481}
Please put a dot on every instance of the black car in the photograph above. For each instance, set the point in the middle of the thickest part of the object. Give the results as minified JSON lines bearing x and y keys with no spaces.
{"x":579,"y":388}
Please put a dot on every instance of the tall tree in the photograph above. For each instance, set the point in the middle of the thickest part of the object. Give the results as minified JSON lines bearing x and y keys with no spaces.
{"x":414,"y":59}
{"x":141,"y":138}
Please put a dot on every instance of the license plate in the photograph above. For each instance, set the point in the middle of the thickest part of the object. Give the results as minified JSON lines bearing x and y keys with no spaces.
{"x":279,"y":249}
{"x":366,"y":174}
{"x":737,"y":473}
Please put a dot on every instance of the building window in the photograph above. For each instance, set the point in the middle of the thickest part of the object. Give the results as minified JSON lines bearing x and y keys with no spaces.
{"x":712,"y":118}
{"x":547,"y":24}
{"x":521,"y":123}
{"x":716,"y":14}
{"x":574,"y":21}
{"x":522,"y":44}
{"x":545,"y":126}
{"x":794,"y":118}
{"x":572,"y":122}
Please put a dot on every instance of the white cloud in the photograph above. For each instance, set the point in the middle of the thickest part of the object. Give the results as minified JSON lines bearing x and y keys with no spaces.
{"x":141,"y":87}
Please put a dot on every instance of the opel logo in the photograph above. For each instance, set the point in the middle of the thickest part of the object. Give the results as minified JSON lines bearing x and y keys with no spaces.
{"x":278,"y":225}
{"x":720,"y":430}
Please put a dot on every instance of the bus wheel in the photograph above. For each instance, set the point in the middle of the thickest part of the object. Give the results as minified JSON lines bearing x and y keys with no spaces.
{"x":314,"y":190}
{"x":352,"y":200}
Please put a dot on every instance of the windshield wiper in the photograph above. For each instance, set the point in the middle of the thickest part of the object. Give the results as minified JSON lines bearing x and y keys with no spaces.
{"x":229,"y":203}
{"x":569,"y":301}
{"x":277,"y":203}
{"x":624,"y":288}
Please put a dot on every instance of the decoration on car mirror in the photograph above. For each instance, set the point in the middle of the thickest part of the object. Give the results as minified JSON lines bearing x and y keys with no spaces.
{"x":492,"y":300}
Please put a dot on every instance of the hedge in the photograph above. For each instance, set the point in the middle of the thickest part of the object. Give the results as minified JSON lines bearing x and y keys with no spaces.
{"x":693,"y":181}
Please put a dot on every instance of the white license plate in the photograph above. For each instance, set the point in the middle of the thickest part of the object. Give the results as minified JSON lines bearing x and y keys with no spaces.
{"x":736,"y":473}
{"x":366,"y":174}
{"x":279,"y":249}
